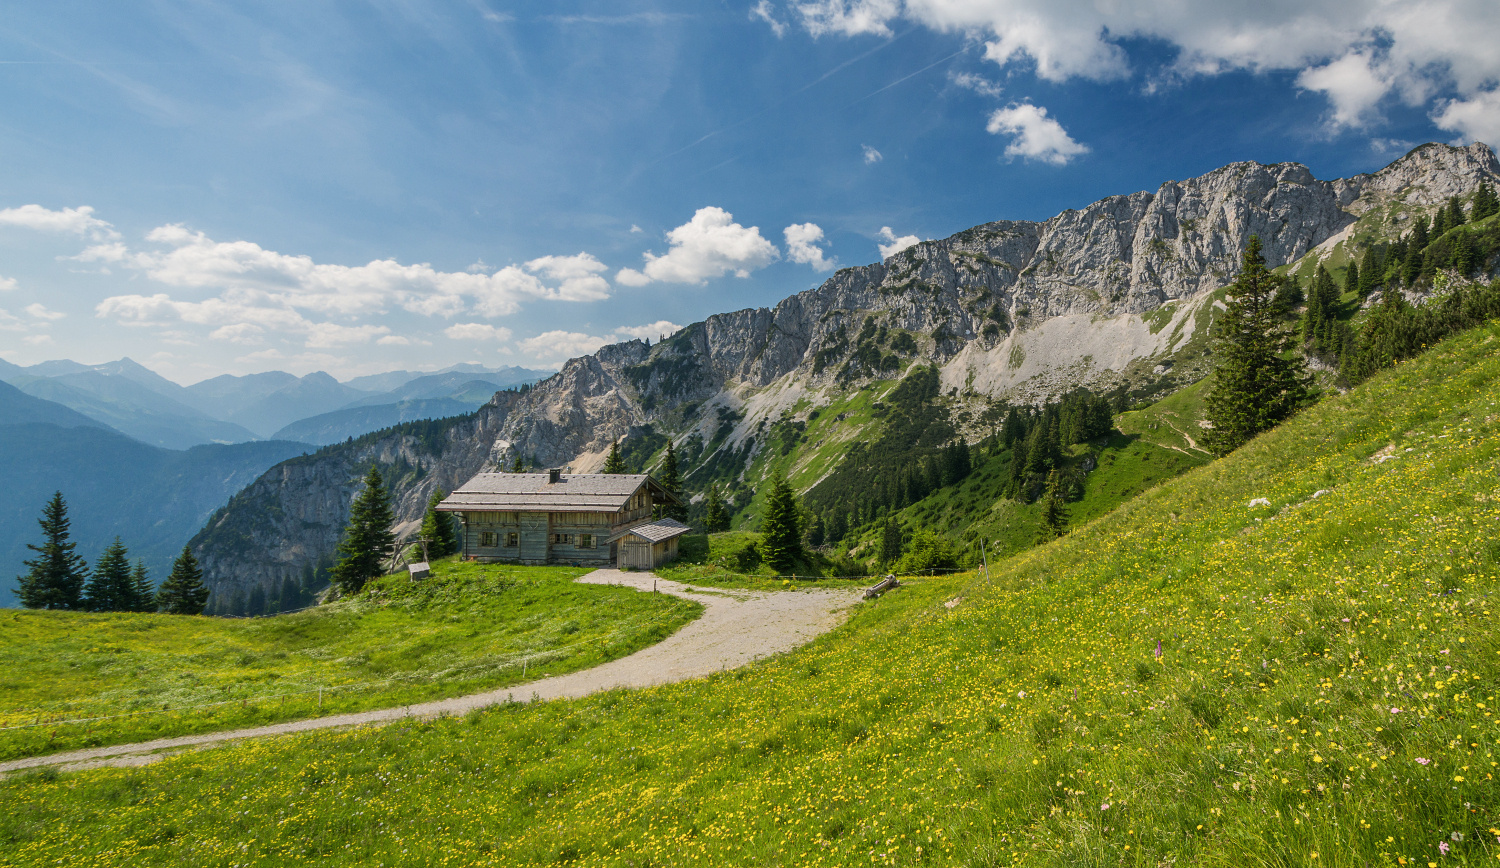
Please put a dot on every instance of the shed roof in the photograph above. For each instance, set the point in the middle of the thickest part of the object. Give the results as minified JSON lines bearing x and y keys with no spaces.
{"x":573,"y":492}
{"x":655,"y":531}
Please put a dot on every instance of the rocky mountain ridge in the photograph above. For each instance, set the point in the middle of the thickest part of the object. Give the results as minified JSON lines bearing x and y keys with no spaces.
{"x":1116,"y":294}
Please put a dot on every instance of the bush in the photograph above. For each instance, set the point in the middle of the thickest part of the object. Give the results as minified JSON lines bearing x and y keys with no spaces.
{"x":925,"y":552}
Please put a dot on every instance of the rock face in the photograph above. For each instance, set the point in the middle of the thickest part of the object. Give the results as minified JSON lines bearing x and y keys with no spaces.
{"x":1011,"y":310}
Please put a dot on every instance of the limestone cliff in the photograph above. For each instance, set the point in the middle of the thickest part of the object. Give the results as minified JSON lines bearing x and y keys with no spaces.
{"x":1113,"y":294}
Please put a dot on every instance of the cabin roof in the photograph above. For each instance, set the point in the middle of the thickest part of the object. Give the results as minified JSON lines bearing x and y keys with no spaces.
{"x":534,"y":492}
{"x":655,"y":531}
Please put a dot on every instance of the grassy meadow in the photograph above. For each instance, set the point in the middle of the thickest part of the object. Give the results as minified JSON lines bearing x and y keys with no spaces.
{"x":1287,"y":657}
{"x":71,"y":679}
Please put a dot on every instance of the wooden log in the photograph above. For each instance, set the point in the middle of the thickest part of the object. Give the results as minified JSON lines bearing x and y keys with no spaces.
{"x":886,"y":584}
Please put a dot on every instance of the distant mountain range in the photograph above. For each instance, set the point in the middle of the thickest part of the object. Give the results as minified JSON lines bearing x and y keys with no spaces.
{"x":139,"y":456}
{"x":140,"y":403}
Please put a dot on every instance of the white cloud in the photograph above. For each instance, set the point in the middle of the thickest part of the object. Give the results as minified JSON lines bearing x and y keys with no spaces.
{"x":7,"y":283}
{"x":872,"y":156}
{"x":39,"y":311}
{"x":635,"y":230}
{"x":76,"y":221}
{"x":802,"y":240}
{"x":848,"y":17}
{"x":1352,"y":84}
{"x":239,"y":333}
{"x":894,"y":245}
{"x":37,"y":340}
{"x":394,"y":341}
{"x":1034,"y":135}
{"x":708,"y":246}
{"x":579,"y":275}
{"x":1476,"y":119}
{"x":764,"y":11}
{"x":651,"y":331}
{"x":477,"y":331}
{"x":329,"y":334}
{"x":1355,"y":52}
{"x":9,"y":322}
{"x":555,"y":347}
{"x":977,"y":83}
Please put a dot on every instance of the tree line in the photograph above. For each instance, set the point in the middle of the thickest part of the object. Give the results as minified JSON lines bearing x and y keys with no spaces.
{"x":59,"y":578}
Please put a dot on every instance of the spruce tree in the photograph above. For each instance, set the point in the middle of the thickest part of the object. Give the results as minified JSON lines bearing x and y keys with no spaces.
{"x":715,"y":519}
{"x":781,"y":527}
{"x":614,"y":463}
{"x":183,"y":592}
{"x":816,"y":533}
{"x":1253,"y":386}
{"x":1486,"y":203}
{"x":517,"y":466}
{"x":892,"y":541}
{"x":671,"y":480}
{"x":110,"y":588}
{"x":1351,"y":278}
{"x":143,"y":593}
{"x":1054,"y":513}
{"x":56,"y":577}
{"x":368,"y":540}
{"x":437,"y":528}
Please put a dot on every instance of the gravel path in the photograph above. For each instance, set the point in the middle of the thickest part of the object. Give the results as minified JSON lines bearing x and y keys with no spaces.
{"x":736,"y":628}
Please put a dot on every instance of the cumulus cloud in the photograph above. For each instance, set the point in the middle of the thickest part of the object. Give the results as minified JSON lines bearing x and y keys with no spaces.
{"x":75,"y":221}
{"x":651,"y":331}
{"x":977,"y":83}
{"x":9,"y":322}
{"x":1355,"y":53}
{"x":872,"y":156}
{"x":708,"y":246}
{"x":37,"y":340}
{"x":764,"y":11}
{"x":802,"y":240}
{"x":555,"y":347}
{"x":7,"y":283}
{"x":1034,"y":135}
{"x":39,"y":311}
{"x":893,"y":244}
{"x":258,"y":292}
{"x":477,"y":331}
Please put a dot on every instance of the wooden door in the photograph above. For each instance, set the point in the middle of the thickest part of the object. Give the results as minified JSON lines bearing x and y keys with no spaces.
{"x":535,"y":539}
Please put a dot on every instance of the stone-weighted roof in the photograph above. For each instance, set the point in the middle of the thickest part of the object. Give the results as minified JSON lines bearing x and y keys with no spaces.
{"x":655,"y":531}
{"x":573,"y":492}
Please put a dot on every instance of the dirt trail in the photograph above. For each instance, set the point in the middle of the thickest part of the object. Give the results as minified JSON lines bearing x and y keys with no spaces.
{"x":736,"y":628}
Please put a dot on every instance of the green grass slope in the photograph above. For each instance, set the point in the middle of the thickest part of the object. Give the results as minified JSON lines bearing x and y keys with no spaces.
{"x":70,"y":679}
{"x":1325,"y":695}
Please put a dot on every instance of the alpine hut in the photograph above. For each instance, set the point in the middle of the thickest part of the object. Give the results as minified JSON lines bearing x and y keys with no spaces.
{"x":587,"y":519}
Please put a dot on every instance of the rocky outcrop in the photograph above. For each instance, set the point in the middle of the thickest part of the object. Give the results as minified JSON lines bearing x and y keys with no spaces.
{"x":1011,"y":310}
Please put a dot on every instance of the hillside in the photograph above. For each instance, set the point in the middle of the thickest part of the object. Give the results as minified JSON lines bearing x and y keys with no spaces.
{"x":1287,"y":656}
{"x":1116,"y":297}
{"x":340,"y":425}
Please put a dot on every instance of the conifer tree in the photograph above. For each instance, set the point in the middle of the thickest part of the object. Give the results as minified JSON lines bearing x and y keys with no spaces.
{"x":368,"y":540}
{"x":516,"y":466}
{"x":1351,"y":277}
{"x":143,"y":593}
{"x":1253,"y":387}
{"x":715,"y":519}
{"x":437,"y":528}
{"x":1486,"y":203}
{"x":892,"y":541}
{"x":671,"y":480}
{"x":110,"y":588}
{"x":1054,"y":513}
{"x":836,"y":526}
{"x":57,"y":574}
{"x":781,"y":527}
{"x":816,"y":532}
{"x":614,"y":463}
{"x":183,"y":592}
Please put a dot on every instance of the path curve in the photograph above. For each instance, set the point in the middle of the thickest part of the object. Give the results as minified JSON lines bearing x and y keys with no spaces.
{"x":736,"y":628}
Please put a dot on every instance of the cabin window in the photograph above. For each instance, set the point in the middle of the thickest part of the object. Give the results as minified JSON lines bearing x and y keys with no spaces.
{"x":488,"y":539}
{"x":562,"y":539}
{"x":585,"y":540}
{"x":512,"y":539}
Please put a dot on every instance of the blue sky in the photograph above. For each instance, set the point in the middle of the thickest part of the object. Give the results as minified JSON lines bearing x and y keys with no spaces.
{"x":360,"y":186}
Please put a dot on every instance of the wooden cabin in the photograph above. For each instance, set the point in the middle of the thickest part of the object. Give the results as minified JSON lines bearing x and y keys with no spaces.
{"x":586,"y":519}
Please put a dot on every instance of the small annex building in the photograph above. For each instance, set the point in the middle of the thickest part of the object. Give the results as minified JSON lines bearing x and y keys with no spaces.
{"x":588,"y":519}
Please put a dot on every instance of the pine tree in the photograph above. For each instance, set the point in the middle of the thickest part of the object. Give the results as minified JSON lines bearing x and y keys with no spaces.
{"x":1351,"y":278}
{"x":715,"y":519}
{"x":1054,"y":513}
{"x":1253,"y":387}
{"x":892,"y":541}
{"x":110,"y":588}
{"x":368,"y":540}
{"x":56,"y":577}
{"x":437,"y":528}
{"x":143,"y":593}
{"x":614,"y":463}
{"x":183,"y":592}
{"x":671,"y":480}
{"x":516,"y":466}
{"x":780,"y":527}
{"x":1486,"y":203}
